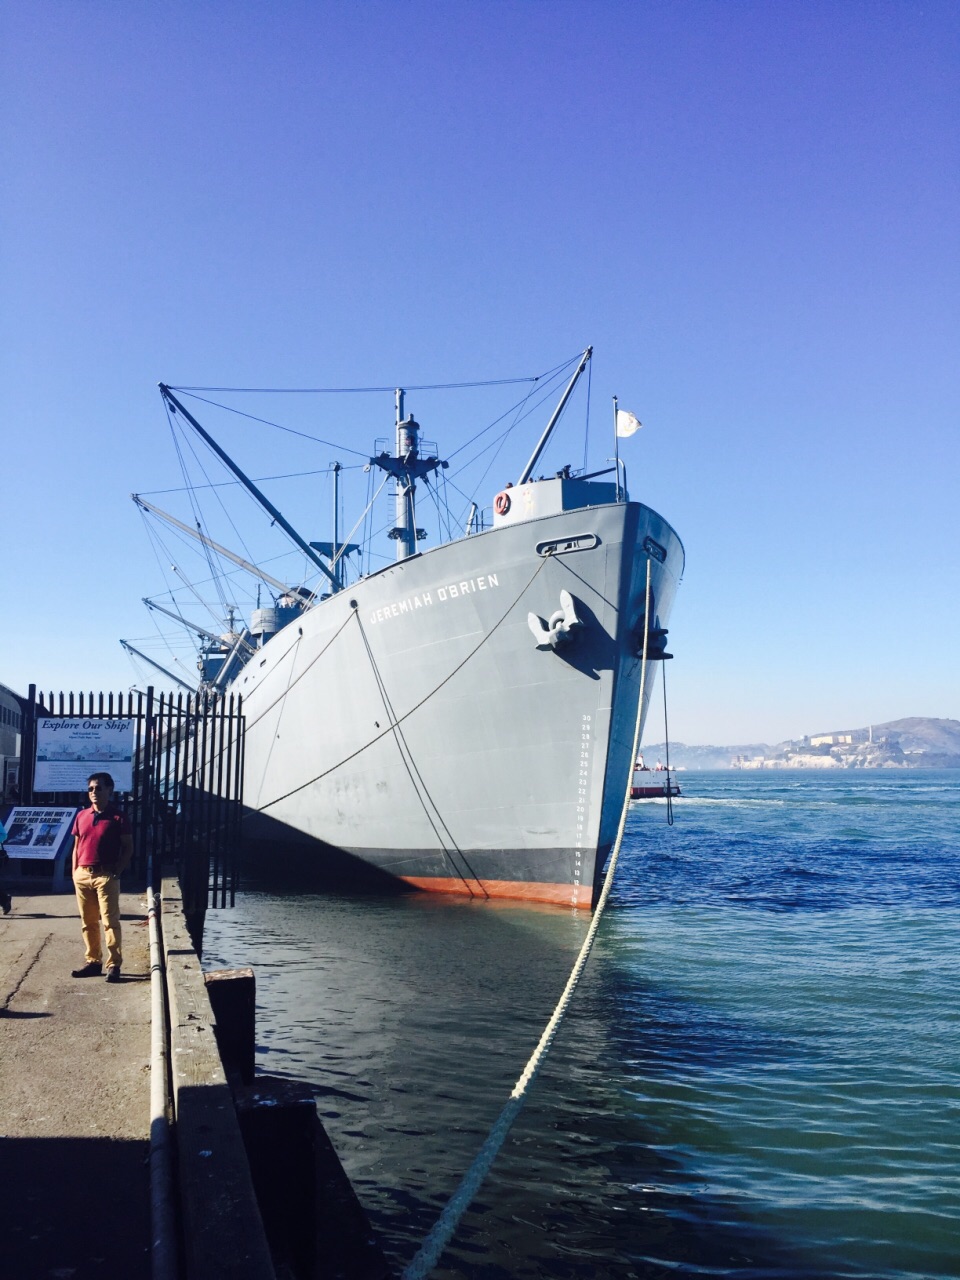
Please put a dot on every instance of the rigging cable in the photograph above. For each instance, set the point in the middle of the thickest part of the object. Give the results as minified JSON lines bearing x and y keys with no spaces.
{"x":440,"y":1235}
{"x":290,"y":683}
{"x":440,"y":386}
{"x":281,"y":696}
{"x":154,"y":540}
{"x":218,"y":575}
{"x":275,"y":733}
{"x":443,"y":514}
{"x":350,"y":391}
{"x":499,"y":441}
{"x":235,"y":484}
{"x":551,"y":376}
{"x":406,"y":756}
{"x":368,"y":507}
{"x":193,"y":504}
{"x":267,"y":423}
{"x":229,"y":518}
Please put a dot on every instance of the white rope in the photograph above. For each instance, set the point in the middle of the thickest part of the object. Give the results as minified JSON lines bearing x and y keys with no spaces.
{"x":440,"y":1234}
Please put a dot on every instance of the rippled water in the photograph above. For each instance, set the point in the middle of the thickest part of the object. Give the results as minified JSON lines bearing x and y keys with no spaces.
{"x":759,"y":1075}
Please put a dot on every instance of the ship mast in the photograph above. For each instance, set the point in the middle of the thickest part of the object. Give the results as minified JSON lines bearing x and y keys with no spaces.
{"x":176,"y":679}
{"x":548,"y":430}
{"x":336,"y":526}
{"x":406,"y":467}
{"x":214,"y":546}
{"x":248,"y":484}
{"x":333,"y":550}
{"x":192,"y":626}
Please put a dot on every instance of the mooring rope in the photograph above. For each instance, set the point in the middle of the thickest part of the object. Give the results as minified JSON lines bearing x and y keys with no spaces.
{"x":442,"y":1231}
{"x":666,"y":739}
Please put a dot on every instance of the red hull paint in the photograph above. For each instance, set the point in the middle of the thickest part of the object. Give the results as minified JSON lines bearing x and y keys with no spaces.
{"x":566,"y":895}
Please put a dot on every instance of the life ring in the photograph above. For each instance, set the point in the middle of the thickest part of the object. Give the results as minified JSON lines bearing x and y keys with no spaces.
{"x":501,"y":504}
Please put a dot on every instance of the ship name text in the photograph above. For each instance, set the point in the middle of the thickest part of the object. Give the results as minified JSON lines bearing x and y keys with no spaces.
{"x":450,"y":591}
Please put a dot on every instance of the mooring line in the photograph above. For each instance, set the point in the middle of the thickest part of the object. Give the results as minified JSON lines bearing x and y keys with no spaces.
{"x":406,"y":757}
{"x":291,"y":680}
{"x":407,"y":714}
{"x":442,"y":1231}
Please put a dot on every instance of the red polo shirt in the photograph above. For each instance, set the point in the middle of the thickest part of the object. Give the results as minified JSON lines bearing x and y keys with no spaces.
{"x":100,"y":835}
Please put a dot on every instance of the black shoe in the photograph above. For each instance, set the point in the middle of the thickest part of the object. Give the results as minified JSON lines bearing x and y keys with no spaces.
{"x":6,"y":902}
{"x":92,"y":970}
{"x":113,"y":972}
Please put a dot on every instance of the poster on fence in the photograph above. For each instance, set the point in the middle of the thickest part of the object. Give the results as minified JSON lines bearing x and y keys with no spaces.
{"x":70,"y":749}
{"x":33,"y":832}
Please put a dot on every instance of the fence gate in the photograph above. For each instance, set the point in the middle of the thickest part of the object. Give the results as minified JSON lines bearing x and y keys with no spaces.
{"x":186,"y":795}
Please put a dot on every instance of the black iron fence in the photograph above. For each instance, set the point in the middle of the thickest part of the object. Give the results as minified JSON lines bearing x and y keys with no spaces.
{"x":186,"y":795}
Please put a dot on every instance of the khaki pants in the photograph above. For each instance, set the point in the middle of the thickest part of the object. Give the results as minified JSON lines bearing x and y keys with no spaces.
{"x":98,"y":897}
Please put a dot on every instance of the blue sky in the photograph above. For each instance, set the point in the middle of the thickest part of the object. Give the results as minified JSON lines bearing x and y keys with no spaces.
{"x":749,"y":209}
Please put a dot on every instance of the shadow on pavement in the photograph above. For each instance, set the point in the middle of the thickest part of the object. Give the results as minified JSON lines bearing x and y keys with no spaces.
{"x":77,"y":1207}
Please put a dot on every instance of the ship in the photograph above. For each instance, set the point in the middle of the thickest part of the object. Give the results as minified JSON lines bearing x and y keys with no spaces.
{"x":643,"y":789}
{"x":462,"y":720}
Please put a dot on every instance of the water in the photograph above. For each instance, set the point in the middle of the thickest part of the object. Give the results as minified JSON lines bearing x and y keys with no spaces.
{"x":759,"y":1075}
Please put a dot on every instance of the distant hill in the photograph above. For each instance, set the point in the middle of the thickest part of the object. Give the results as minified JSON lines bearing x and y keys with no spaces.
{"x":920,"y":733}
{"x":912,"y":743}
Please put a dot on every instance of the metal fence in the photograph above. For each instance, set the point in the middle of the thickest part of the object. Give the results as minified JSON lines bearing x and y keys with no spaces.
{"x":186,"y":800}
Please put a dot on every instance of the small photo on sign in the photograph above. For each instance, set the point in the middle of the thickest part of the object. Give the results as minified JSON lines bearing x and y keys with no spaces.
{"x":21,"y":833}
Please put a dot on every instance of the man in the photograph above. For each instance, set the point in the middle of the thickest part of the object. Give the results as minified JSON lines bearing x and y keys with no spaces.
{"x":102,"y":849}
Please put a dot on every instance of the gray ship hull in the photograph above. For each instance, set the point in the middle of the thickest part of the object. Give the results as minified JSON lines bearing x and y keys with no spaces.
{"x":410,"y":729}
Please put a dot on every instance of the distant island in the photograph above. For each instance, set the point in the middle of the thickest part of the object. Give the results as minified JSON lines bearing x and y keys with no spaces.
{"x":918,"y":742}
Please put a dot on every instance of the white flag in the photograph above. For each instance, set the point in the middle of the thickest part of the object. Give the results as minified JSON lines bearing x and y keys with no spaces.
{"x":627,"y":423}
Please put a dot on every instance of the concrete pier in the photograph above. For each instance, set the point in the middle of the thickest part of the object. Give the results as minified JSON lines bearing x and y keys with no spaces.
{"x":255,"y":1189}
{"x":74,"y":1097}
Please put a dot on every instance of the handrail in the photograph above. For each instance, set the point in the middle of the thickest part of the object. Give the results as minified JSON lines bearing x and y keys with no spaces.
{"x":163,"y":1237}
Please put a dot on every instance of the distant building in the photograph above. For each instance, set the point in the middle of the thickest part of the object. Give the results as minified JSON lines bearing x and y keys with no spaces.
{"x":11,"y":715}
{"x":841,"y":739}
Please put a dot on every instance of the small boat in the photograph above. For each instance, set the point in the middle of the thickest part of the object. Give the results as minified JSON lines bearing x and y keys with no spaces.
{"x":644,"y":789}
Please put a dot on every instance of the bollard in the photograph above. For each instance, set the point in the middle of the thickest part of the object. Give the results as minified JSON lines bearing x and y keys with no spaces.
{"x":233,"y":998}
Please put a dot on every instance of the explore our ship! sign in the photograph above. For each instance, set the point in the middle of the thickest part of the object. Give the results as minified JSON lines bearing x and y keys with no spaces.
{"x":69,"y":750}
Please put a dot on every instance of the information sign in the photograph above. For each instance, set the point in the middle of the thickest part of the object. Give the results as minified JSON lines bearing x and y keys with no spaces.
{"x":33,"y":832}
{"x":70,"y":749}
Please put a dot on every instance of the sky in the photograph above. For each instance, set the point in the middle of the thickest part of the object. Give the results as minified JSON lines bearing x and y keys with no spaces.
{"x":749,"y":210}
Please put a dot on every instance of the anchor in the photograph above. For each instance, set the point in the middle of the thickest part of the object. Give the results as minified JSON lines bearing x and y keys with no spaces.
{"x":561,"y":627}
